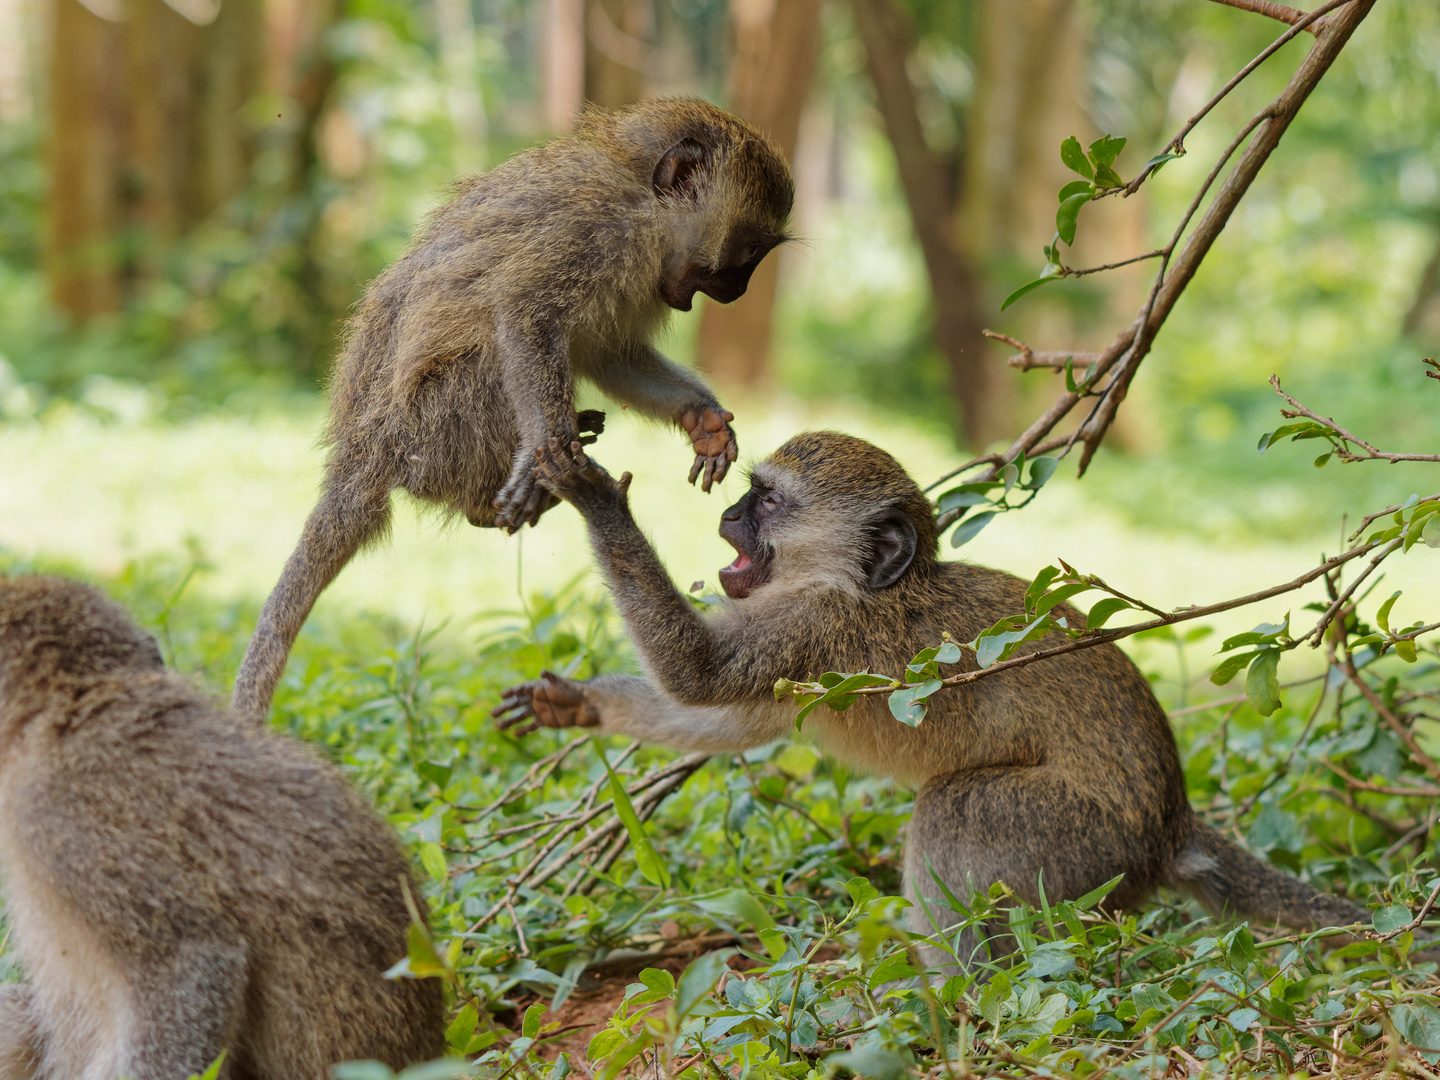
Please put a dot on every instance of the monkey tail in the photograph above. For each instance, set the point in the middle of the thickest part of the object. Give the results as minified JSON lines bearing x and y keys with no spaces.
{"x":1230,"y":881}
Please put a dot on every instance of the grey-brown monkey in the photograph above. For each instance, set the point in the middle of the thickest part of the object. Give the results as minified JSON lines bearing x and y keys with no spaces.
{"x":461,"y":361}
{"x":179,"y":881}
{"x":1067,"y":767}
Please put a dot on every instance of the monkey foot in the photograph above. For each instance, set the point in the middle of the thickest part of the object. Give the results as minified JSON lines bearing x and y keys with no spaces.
{"x":568,"y":473}
{"x":714,"y":441}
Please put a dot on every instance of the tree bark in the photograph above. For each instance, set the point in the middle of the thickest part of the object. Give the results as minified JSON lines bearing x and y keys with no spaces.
{"x":148,"y":136}
{"x":776,"y":45}
{"x":616,"y":40}
{"x":954,"y":282}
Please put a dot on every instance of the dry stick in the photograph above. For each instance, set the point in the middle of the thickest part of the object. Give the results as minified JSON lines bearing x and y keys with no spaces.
{"x":1408,"y":791}
{"x":1107,"y":636}
{"x":1275,"y":11}
{"x":1272,"y":122}
{"x":1371,"y":454}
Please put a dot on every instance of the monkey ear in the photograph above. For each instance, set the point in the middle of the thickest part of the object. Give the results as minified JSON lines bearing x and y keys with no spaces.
{"x":679,"y":170}
{"x":894,"y":550}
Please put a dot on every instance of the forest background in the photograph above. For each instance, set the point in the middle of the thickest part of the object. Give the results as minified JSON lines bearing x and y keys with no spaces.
{"x":193,"y":194}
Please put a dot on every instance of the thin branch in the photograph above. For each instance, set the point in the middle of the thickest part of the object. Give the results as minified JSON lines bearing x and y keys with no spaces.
{"x":1280,"y":12}
{"x":1345,"y":455}
{"x":1415,"y":922}
{"x":1131,"y":345}
{"x":1123,"y":262}
{"x":1106,"y":636}
{"x":1028,"y":358}
{"x":1392,"y":721}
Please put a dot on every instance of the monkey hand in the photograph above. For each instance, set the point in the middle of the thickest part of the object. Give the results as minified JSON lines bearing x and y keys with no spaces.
{"x":550,"y":701}
{"x":568,"y":473}
{"x":521,"y":501}
{"x":715,"y":446}
{"x":591,"y":425}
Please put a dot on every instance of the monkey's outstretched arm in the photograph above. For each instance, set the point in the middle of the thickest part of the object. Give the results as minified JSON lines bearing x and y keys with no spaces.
{"x":535,"y":371}
{"x":630,"y":705}
{"x":644,"y":378}
{"x":692,"y":660}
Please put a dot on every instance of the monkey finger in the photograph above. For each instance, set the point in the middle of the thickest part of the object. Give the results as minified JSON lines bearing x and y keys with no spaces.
{"x":625,"y":479}
{"x":534,"y":725}
{"x":722,"y":466}
{"x":695,"y":469}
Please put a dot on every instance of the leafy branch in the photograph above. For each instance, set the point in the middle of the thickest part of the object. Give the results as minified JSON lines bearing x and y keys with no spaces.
{"x":1119,"y":361}
{"x":1316,"y":426}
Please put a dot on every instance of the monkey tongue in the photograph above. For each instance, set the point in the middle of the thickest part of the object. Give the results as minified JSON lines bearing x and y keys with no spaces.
{"x":742,"y":562}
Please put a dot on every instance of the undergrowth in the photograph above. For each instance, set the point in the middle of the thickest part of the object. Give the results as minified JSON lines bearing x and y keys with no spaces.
{"x":759,"y":917}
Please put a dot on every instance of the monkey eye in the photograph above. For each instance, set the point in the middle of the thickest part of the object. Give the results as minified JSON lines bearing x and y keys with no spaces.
{"x":770,"y":501}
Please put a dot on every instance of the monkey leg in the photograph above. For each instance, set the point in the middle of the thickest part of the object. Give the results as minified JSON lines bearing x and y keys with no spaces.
{"x":1026,"y":827}
{"x":346,"y":519}
{"x":20,"y":1044}
{"x":186,"y":1013}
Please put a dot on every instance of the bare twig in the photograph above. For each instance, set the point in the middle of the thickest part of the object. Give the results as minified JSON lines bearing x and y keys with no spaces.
{"x":1284,"y":14}
{"x":1413,"y":923}
{"x":1028,"y":358}
{"x":1424,"y":760}
{"x":1345,"y":455}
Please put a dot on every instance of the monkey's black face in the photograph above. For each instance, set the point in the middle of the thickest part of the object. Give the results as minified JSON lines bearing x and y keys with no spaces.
{"x":740,"y":526}
{"x":724,"y":285}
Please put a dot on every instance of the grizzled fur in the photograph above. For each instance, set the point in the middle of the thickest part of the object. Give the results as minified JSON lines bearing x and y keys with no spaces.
{"x":461,"y":360}
{"x":1066,"y":767}
{"x":178,"y":882}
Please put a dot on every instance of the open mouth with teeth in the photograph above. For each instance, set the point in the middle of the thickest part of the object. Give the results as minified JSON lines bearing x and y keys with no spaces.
{"x":744,"y":575}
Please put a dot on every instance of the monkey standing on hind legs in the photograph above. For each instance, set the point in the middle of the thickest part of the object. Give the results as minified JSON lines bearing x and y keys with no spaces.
{"x":560,"y":263}
{"x":1066,"y":768}
{"x":179,"y":881}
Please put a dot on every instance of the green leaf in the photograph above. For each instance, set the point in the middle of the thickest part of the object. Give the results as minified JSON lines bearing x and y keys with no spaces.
{"x":1076,"y":187}
{"x":1158,"y":161}
{"x":1068,"y":215}
{"x":362,"y":1070}
{"x":1058,"y":596}
{"x":994,"y":645}
{"x":1390,"y":917}
{"x":214,"y":1070}
{"x":948,"y":653}
{"x":1321,"y":460}
{"x":461,"y":1029}
{"x":1106,"y":177}
{"x":861,"y":891}
{"x":1431,"y":533}
{"x":699,"y":978}
{"x":1243,"y":1019}
{"x":1262,"y":686}
{"x":604,"y":1043}
{"x":1037,"y":587}
{"x":968,"y":530}
{"x":1383,"y":615}
{"x":626,"y":1054}
{"x":1104,"y":150}
{"x":652,"y":867}
{"x":870,"y":1062}
{"x":908,"y":703}
{"x":894,"y":967}
{"x":1103,"y":610}
{"x":432,"y":857}
{"x":530,"y":1026}
{"x":1041,"y":470}
{"x":1228,"y":667}
{"x":952,"y":500}
{"x":741,"y":906}
{"x":437,"y":774}
{"x":1085,"y":380}
{"x":1405,"y":649}
{"x":1075,"y":159}
{"x":1051,"y":272}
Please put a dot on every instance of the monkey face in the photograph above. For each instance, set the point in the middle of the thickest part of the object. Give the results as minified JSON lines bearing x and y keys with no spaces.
{"x":724,"y":284}
{"x":741,"y":526}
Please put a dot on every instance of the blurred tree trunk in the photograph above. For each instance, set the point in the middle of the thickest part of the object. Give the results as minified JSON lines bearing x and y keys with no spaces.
{"x":147,"y":134}
{"x":562,"y":62}
{"x":954,"y":282}
{"x":1030,"y":60}
{"x":776,"y":45}
{"x":616,"y":36}
{"x":85,"y":160}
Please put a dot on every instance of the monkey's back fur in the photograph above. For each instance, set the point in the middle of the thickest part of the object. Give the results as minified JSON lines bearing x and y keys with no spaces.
{"x":178,"y":881}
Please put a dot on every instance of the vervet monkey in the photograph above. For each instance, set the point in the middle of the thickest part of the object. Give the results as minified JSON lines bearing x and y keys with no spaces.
{"x":1066,"y":768}
{"x":179,"y":881}
{"x":461,"y":361}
